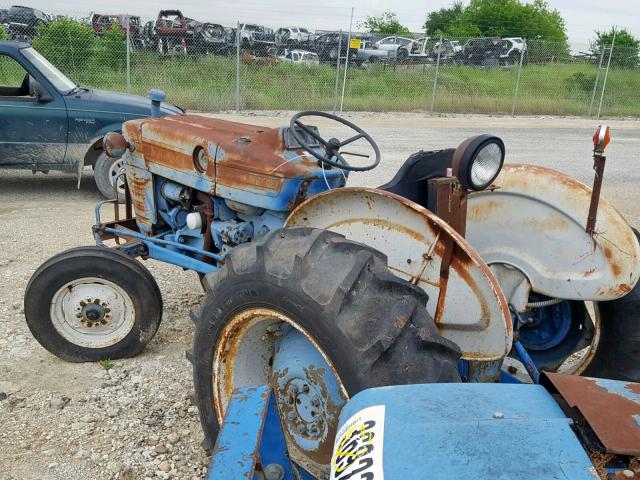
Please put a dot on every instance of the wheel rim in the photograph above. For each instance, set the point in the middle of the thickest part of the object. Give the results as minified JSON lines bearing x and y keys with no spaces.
{"x":262,"y":346}
{"x":114,"y":175}
{"x":92,"y":312}
{"x":577,"y":363}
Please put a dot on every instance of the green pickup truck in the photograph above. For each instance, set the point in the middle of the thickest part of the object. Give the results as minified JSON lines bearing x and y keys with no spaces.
{"x":48,"y":122}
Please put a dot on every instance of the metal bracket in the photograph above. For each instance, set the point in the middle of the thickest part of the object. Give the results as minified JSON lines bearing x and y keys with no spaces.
{"x":251,"y":442}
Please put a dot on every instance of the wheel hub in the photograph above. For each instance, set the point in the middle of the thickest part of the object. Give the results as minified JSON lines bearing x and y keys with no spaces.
{"x":93,"y":312}
{"x":302,"y":407}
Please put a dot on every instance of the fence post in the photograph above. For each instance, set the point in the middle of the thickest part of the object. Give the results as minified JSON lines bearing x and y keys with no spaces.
{"x":346,"y":62}
{"x":238,"y":67}
{"x":435,"y":77}
{"x":606,"y":73}
{"x":128,"y":40}
{"x":515,"y":92}
{"x":335,"y":90}
{"x":595,"y":84}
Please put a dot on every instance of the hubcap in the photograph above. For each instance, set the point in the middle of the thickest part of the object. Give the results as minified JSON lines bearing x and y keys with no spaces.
{"x":114,"y":175}
{"x":92,"y":312}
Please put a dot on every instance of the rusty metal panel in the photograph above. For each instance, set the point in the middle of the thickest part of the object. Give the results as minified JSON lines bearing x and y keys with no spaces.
{"x":467,"y":304}
{"x":535,"y":220}
{"x":611,"y":408}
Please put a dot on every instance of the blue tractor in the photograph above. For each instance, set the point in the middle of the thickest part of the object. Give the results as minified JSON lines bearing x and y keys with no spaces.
{"x":460,"y":267}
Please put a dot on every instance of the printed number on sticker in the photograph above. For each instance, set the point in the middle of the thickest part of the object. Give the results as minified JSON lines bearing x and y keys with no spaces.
{"x":357,"y":451}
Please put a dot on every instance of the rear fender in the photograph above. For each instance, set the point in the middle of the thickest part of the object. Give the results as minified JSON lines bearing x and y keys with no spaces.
{"x":535,"y":221}
{"x":473,"y":311}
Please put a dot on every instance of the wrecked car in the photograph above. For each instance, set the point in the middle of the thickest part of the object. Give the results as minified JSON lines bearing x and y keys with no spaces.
{"x":300,"y":57}
{"x":23,"y":22}
{"x":48,"y":122}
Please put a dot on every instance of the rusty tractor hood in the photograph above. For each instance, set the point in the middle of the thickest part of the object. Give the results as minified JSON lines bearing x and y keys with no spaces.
{"x":246,"y":163}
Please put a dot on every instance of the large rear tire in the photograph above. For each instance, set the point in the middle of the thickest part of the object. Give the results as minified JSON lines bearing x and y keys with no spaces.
{"x":618,"y":351}
{"x":371,"y":327}
{"x":92,"y":303}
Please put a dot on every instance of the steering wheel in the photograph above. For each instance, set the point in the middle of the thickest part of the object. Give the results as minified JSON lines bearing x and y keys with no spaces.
{"x":332,"y":146}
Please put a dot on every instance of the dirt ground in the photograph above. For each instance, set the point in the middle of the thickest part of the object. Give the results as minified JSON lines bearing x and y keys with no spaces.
{"x":78,"y":421}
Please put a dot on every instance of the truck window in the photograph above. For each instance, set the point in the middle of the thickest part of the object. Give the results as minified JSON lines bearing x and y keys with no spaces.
{"x":12,"y":78}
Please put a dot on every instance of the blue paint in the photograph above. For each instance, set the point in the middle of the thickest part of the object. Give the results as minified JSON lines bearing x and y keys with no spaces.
{"x":448,"y":431}
{"x":157,"y":97}
{"x":167,"y":255}
{"x":552,"y":325}
{"x":552,"y":333}
{"x":619,"y":388}
{"x":527,"y":362}
{"x":251,"y":433}
{"x":294,"y":360}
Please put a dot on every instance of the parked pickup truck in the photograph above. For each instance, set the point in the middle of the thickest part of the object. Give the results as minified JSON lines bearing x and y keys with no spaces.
{"x":48,"y":122}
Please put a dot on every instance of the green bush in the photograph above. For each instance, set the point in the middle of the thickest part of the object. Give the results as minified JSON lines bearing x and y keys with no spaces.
{"x":65,"y":43}
{"x":3,"y":34}
{"x":111,"y":48}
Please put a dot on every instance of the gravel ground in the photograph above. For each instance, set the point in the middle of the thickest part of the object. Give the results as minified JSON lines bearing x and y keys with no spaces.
{"x":136,"y":420}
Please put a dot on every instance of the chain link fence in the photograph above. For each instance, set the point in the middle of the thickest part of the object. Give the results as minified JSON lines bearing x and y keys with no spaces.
{"x":210,"y":67}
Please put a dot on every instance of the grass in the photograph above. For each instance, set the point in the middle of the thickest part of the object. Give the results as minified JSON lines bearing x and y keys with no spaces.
{"x":209,"y":84}
{"x":106,"y":363}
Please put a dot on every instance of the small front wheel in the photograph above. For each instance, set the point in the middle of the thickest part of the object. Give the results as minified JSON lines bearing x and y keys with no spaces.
{"x":91,"y":303}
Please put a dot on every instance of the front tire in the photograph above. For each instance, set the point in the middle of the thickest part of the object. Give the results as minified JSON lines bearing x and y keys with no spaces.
{"x":106,"y":174}
{"x":91,"y":303}
{"x":370,"y":326}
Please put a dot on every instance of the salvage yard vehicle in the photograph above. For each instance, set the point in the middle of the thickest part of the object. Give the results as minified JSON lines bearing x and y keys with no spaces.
{"x":329,"y":45}
{"x":209,"y":38}
{"x":459,"y":267}
{"x":171,"y":31}
{"x":48,"y":122}
{"x":300,"y":57}
{"x":392,"y":43}
{"x":291,"y":37}
{"x":24,"y":22}
{"x":368,"y":52}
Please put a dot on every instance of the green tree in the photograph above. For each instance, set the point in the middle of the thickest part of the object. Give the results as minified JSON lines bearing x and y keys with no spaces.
{"x":440,"y":21}
{"x":501,"y":18}
{"x":625,"y":47}
{"x":111,"y":48}
{"x":65,"y":43}
{"x":387,"y":24}
{"x":3,"y":34}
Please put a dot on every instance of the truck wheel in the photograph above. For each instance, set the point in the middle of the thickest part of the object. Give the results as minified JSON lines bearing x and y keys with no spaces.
{"x":338,"y":296}
{"x":92,"y":303}
{"x":105,"y":174}
{"x":617,"y":354}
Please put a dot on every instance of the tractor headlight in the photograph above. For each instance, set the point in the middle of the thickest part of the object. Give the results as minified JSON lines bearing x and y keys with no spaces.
{"x":114,"y":144}
{"x":477,"y":161}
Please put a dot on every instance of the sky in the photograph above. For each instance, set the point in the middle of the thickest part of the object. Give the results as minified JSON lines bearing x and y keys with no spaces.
{"x":582,"y":16}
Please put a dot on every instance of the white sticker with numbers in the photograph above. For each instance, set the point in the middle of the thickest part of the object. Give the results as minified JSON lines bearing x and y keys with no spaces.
{"x":357,"y":451}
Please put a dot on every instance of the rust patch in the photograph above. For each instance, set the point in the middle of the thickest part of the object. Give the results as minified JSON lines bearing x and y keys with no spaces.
{"x":611,"y":412}
{"x":484,"y":210}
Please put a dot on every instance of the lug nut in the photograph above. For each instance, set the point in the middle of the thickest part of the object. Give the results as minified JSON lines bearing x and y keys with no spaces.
{"x":315,"y":401}
{"x":305,"y":388}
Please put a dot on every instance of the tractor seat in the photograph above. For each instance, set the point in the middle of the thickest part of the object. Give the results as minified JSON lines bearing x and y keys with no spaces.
{"x":411,"y":179}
